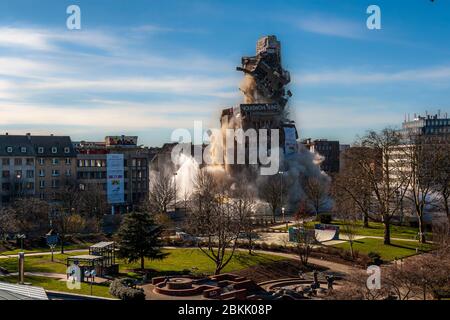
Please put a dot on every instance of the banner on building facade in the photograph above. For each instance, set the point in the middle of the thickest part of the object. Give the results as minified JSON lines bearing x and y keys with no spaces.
{"x":290,"y":140}
{"x":115,"y":178}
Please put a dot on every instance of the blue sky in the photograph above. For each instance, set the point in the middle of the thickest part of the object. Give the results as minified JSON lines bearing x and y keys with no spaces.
{"x":147,"y":67}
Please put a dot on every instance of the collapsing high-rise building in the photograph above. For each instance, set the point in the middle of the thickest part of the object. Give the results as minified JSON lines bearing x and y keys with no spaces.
{"x":265,"y":95}
{"x":264,"y":107}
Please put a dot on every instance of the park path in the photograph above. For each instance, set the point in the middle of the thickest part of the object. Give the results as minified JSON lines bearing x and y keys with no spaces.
{"x":58,"y":276}
{"x":44,"y":253}
{"x":332,"y":266}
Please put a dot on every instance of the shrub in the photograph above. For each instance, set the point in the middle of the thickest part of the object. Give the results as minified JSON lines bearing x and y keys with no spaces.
{"x":375,"y":258}
{"x":325,"y":218}
{"x":124,"y":290}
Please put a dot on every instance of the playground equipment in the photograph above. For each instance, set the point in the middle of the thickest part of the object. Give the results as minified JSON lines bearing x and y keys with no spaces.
{"x":320,"y":233}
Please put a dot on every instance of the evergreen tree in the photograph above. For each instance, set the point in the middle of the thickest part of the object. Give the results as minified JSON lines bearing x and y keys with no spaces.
{"x":138,"y":238}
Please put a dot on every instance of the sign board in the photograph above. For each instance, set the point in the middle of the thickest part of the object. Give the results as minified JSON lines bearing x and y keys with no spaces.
{"x":121,"y":141}
{"x":115,"y":185}
{"x":52,"y":240}
{"x":290,"y":140}
{"x":260,"y":107}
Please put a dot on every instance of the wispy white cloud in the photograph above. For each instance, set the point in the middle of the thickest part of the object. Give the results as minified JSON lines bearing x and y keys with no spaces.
{"x":35,"y":38}
{"x":352,"y":77}
{"x":330,"y":26}
{"x":124,"y":118}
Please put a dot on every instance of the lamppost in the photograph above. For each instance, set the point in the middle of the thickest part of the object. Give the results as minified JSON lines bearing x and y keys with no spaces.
{"x":281,"y":192}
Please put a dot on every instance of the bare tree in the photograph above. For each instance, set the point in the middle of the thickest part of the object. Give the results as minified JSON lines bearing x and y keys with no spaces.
{"x":244,"y":201}
{"x":8,"y":223}
{"x":214,"y":218}
{"x":272,"y":190}
{"x":352,"y":180}
{"x":31,"y":216}
{"x":162,"y":191}
{"x":66,"y":222}
{"x":346,"y":210}
{"x":383,"y":173}
{"x":317,"y":193}
{"x":420,"y":170}
{"x":442,"y":174}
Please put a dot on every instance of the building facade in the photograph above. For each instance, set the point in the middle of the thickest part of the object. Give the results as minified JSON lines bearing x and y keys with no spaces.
{"x":34,"y":166}
{"x":92,"y":167}
{"x":329,"y":150}
{"x":429,"y":125}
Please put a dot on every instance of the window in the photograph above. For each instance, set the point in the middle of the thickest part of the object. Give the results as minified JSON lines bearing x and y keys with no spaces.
{"x":55,"y":183}
{"x":30,"y":161}
{"x":41,"y":150}
{"x":41,"y":173}
{"x":5,"y":161}
{"x":29,"y":186}
{"x":68,"y":161}
{"x":6,"y":186}
{"x":66,"y":150}
{"x":42,"y":184}
{"x":23,"y":149}
{"x":9,"y":149}
{"x":55,"y":173}
{"x":41,"y":161}
{"x":68,"y":173}
{"x":18,"y":161}
{"x":30,"y":174}
{"x":5,"y":174}
{"x":55,"y":161}
{"x":54,"y":150}
{"x":80,"y":163}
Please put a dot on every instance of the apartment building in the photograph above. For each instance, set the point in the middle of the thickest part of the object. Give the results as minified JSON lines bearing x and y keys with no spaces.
{"x":17,"y":168}
{"x":55,"y":165}
{"x":92,"y":169}
{"x":34,"y":166}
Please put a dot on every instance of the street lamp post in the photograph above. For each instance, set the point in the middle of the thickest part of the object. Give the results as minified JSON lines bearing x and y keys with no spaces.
{"x":281,"y":193}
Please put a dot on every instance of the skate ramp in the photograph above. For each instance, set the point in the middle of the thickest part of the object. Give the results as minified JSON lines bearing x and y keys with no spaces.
{"x":325,"y":235}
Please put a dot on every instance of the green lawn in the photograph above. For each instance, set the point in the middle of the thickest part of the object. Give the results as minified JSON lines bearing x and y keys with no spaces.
{"x":376,"y":229}
{"x":397,"y":249}
{"x":57,"y":285}
{"x":40,"y":263}
{"x":185,"y":259}
{"x":177,"y":261}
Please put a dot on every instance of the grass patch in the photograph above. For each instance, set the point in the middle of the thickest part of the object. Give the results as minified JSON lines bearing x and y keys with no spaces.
{"x":180,"y":260}
{"x":398,"y":249}
{"x":57,"y":285}
{"x":177,"y":261}
{"x":376,"y":229}
{"x":40,"y":263}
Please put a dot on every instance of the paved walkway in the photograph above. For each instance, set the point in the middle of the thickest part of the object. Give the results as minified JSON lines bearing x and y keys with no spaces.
{"x":46,"y":253}
{"x":58,"y":276}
